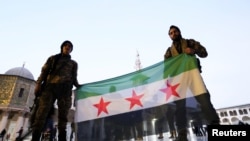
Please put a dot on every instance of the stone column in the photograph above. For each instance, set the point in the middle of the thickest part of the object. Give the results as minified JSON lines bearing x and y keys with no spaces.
{"x":26,"y":124}
{"x":19,"y":123}
{"x":4,"y":120}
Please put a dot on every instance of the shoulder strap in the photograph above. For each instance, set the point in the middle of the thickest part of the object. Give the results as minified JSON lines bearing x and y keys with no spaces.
{"x":54,"y":62}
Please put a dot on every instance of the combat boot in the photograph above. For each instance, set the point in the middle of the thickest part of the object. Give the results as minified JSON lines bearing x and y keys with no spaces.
{"x":182,"y":135}
{"x":172,"y":134}
{"x":160,"y":136}
{"x":36,"y":135}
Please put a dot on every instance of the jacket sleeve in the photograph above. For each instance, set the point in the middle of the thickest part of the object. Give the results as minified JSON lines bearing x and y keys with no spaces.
{"x":45,"y":71}
{"x":199,"y":49}
{"x":167,"y":54}
{"x":75,"y":80}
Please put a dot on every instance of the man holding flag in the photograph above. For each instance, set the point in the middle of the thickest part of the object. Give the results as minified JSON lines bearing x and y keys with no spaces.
{"x":171,"y":82}
{"x":189,"y":47}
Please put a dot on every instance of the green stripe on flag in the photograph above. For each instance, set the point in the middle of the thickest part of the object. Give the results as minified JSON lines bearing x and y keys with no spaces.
{"x":170,"y":68}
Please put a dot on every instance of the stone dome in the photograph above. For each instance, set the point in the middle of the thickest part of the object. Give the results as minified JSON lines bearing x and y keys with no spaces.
{"x":20,"y":71}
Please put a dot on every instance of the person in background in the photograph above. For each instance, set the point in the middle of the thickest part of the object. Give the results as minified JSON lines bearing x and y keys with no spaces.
{"x":72,"y":131}
{"x":169,"y":116}
{"x":3,"y":134}
{"x":194,"y":48}
{"x":20,"y":132}
{"x":54,"y":132}
{"x":57,"y":78}
{"x":171,"y":121}
{"x":48,"y":128}
{"x":8,"y":137}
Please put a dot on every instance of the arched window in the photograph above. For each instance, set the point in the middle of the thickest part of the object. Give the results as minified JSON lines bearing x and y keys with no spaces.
{"x":234,"y":113}
{"x":245,"y":111}
{"x":221,"y":114}
{"x":21,"y":92}
{"x":241,"y":112}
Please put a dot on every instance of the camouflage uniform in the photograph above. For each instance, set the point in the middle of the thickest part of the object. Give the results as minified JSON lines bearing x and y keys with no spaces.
{"x":178,"y":47}
{"x":60,"y":74}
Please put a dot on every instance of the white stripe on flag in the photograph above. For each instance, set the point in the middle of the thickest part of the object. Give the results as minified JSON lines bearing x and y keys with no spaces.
{"x":190,"y":84}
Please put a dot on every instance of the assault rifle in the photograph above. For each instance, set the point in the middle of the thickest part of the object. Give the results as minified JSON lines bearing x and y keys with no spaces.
{"x":34,"y":107}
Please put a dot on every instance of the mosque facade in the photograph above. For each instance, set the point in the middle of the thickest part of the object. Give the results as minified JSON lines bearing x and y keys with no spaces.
{"x":17,"y":87}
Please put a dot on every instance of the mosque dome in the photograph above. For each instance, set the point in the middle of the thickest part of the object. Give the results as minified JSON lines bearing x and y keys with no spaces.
{"x":20,"y":71}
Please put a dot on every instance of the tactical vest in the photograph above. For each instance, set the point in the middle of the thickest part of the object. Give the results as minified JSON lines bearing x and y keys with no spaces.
{"x":184,"y":45}
{"x":173,"y":49}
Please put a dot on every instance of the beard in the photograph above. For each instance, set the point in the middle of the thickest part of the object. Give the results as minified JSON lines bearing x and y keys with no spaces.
{"x":177,"y":38}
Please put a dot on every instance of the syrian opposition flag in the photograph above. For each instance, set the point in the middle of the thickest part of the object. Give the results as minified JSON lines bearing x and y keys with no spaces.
{"x":124,"y":107}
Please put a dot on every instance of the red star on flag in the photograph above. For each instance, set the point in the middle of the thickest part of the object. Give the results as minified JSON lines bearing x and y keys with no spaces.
{"x":102,"y":106}
{"x":135,"y":100}
{"x":170,"y":90}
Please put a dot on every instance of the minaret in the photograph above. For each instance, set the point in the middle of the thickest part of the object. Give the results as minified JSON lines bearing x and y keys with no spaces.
{"x":21,"y":70}
{"x":138,"y":65}
{"x":23,"y":64}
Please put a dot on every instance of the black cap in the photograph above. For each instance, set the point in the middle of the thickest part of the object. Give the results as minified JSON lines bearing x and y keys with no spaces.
{"x":67,"y":42}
